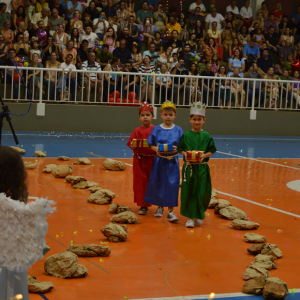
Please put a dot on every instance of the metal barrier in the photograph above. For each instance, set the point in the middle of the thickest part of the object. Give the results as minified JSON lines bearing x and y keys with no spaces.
{"x":123,"y":88}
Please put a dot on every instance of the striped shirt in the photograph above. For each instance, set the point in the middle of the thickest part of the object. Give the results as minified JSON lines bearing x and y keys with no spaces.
{"x":86,"y":66}
{"x":143,"y":69}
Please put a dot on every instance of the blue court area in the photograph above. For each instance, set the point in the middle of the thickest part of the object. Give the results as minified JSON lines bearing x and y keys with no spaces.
{"x":114,"y":145}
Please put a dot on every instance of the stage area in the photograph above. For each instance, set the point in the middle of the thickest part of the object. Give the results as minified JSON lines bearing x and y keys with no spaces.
{"x":162,"y":259}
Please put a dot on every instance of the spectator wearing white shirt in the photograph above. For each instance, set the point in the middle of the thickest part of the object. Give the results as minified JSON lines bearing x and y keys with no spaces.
{"x":41,"y":16}
{"x":198,"y":3}
{"x":100,"y":25}
{"x":214,"y":17}
{"x":235,"y":10}
{"x":246,"y":15}
{"x":90,"y":36}
{"x":68,"y":78}
{"x":92,"y":79}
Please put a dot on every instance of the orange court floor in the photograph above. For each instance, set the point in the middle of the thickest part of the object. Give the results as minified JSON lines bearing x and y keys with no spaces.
{"x":163,"y":259}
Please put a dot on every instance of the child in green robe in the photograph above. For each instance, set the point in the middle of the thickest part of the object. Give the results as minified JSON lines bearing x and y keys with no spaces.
{"x":196,"y":181}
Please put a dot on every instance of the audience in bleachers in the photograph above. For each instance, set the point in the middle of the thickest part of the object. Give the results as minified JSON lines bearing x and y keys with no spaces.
{"x":114,"y":36}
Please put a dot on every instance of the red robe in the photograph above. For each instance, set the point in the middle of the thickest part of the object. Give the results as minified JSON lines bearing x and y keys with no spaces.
{"x":142,"y":165}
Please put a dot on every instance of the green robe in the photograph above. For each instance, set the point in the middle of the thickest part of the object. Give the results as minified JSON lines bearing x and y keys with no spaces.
{"x":196,"y":190}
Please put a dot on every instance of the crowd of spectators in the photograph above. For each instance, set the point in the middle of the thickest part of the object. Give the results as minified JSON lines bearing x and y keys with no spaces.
{"x":111,"y":35}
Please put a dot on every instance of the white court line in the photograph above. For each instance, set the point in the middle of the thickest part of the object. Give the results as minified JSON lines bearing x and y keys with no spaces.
{"x":267,"y":162}
{"x":217,"y":296}
{"x":256,"y":203}
{"x":259,"y":204}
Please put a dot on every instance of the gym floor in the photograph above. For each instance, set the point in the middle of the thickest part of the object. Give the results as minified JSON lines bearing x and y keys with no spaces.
{"x":257,"y":174}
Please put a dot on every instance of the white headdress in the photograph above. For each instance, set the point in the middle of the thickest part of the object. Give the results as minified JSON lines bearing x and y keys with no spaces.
{"x":198,"y":108}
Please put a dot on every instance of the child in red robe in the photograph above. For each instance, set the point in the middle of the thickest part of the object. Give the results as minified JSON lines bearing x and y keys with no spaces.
{"x":143,"y":157}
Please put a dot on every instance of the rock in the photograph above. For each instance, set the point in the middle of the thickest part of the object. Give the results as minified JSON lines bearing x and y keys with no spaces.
{"x":64,"y":158}
{"x":213,"y":203}
{"x":126,"y":217}
{"x":62,"y":264}
{"x":90,"y":250}
{"x":122,"y":208}
{"x":113,"y":209}
{"x":81,"y":271}
{"x":29,"y":165}
{"x":221,"y":204}
{"x":254,"y":286}
{"x":102,"y":196}
{"x":49,"y":168}
{"x":275,"y":289}
{"x":255,"y":249}
{"x":268,"y":264}
{"x":20,"y":150}
{"x":114,"y":165}
{"x":94,"y":189}
{"x":261,"y":257}
{"x":271,"y":249}
{"x":35,"y":286}
{"x":62,"y":171}
{"x":74,"y":179}
{"x":114,"y":233}
{"x":244,"y":225}
{"x":83,"y":161}
{"x":100,"y":250}
{"x":254,"y":238}
{"x":80,"y":185}
{"x":214,"y":193}
{"x":81,"y":251}
{"x":125,"y":227}
{"x":40,"y":154}
{"x":92,"y":184}
{"x":253,"y":272}
{"x":233,"y":213}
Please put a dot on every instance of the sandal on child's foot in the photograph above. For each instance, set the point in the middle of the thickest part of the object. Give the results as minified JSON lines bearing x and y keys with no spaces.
{"x":198,"y":221}
{"x":190,"y":223}
{"x":143,"y":211}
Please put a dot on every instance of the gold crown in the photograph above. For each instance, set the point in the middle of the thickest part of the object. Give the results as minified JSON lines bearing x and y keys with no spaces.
{"x":167,"y":104}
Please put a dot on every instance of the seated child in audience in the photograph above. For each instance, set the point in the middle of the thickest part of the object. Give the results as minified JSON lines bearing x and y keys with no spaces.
{"x":202,"y":64}
{"x":35,"y":49}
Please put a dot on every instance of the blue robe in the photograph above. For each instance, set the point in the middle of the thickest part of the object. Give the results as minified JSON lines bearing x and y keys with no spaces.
{"x":163,"y":184}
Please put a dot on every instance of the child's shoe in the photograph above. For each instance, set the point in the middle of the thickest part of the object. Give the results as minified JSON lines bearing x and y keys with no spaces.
{"x":172,"y":217}
{"x":143,"y":211}
{"x":198,"y":222}
{"x":159,"y":212}
{"x":189,"y":223}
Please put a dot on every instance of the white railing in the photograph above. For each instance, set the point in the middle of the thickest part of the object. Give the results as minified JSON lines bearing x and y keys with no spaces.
{"x":225,"y":91}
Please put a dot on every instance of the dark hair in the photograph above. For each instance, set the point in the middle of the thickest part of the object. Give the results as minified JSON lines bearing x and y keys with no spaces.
{"x":193,"y":64}
{"x":147,"y":56}
{"x":285,"y":16}
{"x":145,"y":2}
{"x":23,"y":16}
{"x":12,"y":174}
{"x":214,"y":45}
{"x":251,"y":56}
{"x":70,"y":55}
{"x":137,"y":47}
{"x":32,"y":43}
{"x":12,"y":49}
{"x":105,"y":46}
{"x":221,"y":66}
{"x":247,"y":31}
{"x":2,"y":5}
{"x":152,"y":43}
{"x":18,"y":34}
{"x":271,"y":15}
{"x":72,"y":34}
{"x":181,"y":58}
{"x":84,"y":41}
{"x":199,"y":115}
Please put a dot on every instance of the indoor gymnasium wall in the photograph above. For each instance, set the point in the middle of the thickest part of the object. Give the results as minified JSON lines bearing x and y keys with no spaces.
{"x":90,"y":118}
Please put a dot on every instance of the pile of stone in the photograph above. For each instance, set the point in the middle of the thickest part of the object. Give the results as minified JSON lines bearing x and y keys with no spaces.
{"x":64,"y":265}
